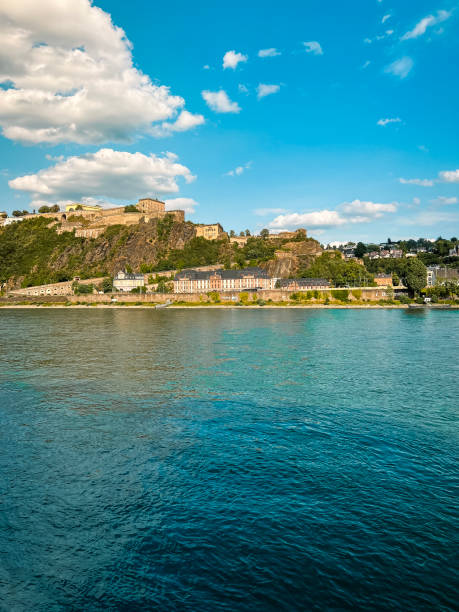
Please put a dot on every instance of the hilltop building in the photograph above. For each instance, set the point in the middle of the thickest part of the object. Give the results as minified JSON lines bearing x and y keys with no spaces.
{"x":124,"y":281}
{"x":193,"y":281}
{"x":213,"y":231}
{"x":76,"y":207}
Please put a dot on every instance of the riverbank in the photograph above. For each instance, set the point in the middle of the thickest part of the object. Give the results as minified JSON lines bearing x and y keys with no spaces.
{"x":203,"y":306}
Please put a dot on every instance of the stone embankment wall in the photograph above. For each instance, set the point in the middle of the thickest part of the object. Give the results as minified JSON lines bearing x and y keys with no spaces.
{"x":62,"y":289}
{"x":276,"y":295}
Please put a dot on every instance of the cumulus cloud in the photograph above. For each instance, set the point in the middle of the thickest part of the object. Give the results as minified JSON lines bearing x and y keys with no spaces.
{"x":185,"y":121}
{"x":219,"y":102}
{"x":427,"y":22}
{"x":386,"y":17}
{"x":186,"y":204}
{"x":105,"y":174}
{"x":445,"y":200}
{"x":416,"y":201}
{"x":231,"y":59}
{"x":271,"y":52}
{"x":385,"y":122}
{"x":360,"y":211}
{"x":262,"y":212}
{"x":266,"y":90}
{"x":401,"y":67}
{"x":239,"y":169}
{"x":416,"y":181}
{"x":313,"y":47}
{"x":449,"y":176}
{"x":357,"y":211}
{"x":68,"y":76}
{"x":320,"y":219}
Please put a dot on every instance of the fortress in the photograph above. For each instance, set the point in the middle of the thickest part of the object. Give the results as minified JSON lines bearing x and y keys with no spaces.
{"x":91,"y":221}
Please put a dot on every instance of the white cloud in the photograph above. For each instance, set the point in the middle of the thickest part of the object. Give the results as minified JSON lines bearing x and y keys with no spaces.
{"x":185,"y":121}
{"x":266,"y":90}
{"x":68,"y":76}
{"x":385,"y":122}
{"x":386,"y":17}
{"x":449,"y":176}
{"x":219,"y":102}
{"x":313,"y":47}
{"x":423,"y":148}
{"x":366,"y":210}
{"x":231,"y":59}
{"x":206,"y":67}
{"x":243,"y":88}
{"x":430,"y":219}
{"x":262,"y":212}
{"x":366,"y":64}
{"x":271,"y":52}
{"x":186,"y":204}
{"x":416,"y":181}
{"x":105,"y":174}
{"x":239,"y":169}
{"x":401,"y":67}
{"x":416,"y":201}
{"x":319,"y":219}
{"x":357,"y":211}
{"x":427,"y":22}
{"x":444,"y":200}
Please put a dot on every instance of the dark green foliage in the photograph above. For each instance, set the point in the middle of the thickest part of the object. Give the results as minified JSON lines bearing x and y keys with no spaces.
{"x":131,"y":208}
{"x":341,"y":294}
{"x":415,"y":275}
{"x":360,"y":250}
{"x":197,"y":252}
{"x":79,"y":289}
{"x":258,"y":249}
{"x":338,"y":271}
{"x":164,"y":227}
{"x":49,"y":209}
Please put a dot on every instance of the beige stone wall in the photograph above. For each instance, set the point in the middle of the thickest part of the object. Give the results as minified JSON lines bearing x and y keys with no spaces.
{"x":64,"y":288}
{"x":150,"y":206}
{"x":277,"y":295}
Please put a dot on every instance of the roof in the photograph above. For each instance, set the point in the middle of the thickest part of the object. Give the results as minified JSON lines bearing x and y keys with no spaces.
{"x":305,"y":282}
{"x":223,"y":274}
{"x":382,"y":275}
{"x":127,"y":276}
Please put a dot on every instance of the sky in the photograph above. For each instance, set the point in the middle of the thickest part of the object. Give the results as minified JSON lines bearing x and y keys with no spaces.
{"x":342,"y":118}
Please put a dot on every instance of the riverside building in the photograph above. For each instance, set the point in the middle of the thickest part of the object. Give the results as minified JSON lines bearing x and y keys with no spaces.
{"x":194,"y":281}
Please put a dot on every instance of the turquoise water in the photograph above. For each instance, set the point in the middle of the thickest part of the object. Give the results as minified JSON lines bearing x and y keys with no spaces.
{"x":228,"y":460}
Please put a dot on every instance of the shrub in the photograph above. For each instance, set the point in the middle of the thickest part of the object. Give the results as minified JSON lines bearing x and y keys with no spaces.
{"x":357,"y":293}
{"x":244,"y":297}
{"x":341,"y":294}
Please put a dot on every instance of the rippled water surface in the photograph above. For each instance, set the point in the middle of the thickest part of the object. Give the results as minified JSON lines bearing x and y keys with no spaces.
{"x":228,"y":460}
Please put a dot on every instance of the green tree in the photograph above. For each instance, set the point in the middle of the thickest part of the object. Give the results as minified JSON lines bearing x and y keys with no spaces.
{"x":232,"y":233}
{"x":360,"y":250}
{"x":247,"y":232}
{"x":131,"y":208}
{"x":415,"y":275}
{"x":395,"y":279}
{"x":264,"y":233}
{"x":107,"y":285}
{"x":44,"y":209}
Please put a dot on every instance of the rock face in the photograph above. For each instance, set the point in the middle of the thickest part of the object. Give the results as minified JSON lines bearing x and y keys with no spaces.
{"x":293,"y":257}
{"x":131,"y":246}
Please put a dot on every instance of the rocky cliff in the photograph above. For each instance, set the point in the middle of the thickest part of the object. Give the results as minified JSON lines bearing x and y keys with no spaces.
{"x":292,"y":257}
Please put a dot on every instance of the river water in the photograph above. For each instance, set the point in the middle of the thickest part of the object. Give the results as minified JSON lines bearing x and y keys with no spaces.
{"x":228,"y":459}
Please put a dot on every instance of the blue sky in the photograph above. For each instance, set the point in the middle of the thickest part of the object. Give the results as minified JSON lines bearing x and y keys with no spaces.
{"x":338,"y":117}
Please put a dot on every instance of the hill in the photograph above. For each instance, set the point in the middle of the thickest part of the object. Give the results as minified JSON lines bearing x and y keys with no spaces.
{"x":34,"y":251}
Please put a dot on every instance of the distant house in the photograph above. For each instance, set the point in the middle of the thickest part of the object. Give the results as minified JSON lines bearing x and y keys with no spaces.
{"x":125,"y":281}
{"x":210,"y":232}
{"x":452,"y":252}
{"x":302,"y":284}
{"x":248,"y":279}
{"x":383,"y":280}
{"x":374,"y":255}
